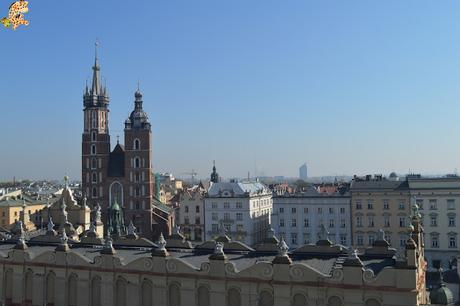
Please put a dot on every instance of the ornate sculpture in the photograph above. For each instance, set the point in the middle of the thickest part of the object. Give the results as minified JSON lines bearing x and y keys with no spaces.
{"x":161,"y":243}
{"x":219,"y":248}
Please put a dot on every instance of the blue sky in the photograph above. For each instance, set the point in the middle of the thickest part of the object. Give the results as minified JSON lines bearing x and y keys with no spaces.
{"x":350,"y":87}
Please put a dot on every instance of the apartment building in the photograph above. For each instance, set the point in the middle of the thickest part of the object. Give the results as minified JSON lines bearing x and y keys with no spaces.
{"x":299,"y":216}
{"x":377,"y":203}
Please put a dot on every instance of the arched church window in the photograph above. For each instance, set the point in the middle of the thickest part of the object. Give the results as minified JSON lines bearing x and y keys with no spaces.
{"x":174,"y":295}
{"x":372,"y":302}
{"x":94,"y":192}
{"x":9,"y":286}
{"x":233,"y":297}
{"x":137,"y":162}
{"x":96,"y":291}
{"x":93,"y":163}
{"x":138,"y":192}
{"x":50,"y":289}
{"x":137,"y":144}
{"x":120,"y":292}
{"x":203,"y":298}
{"x":93,"y":120}
{"x":28,"y":287}
{"x":94,"y":177}
{"x":72,"y":290}
{"x":266,"y":299}
{"x":147,"y":290}
{"x":116,"y":193}
{"x":93,"y":136}
{"x":334,"y":301}
{"x":93,"y":149}
{"x":299,"y":300}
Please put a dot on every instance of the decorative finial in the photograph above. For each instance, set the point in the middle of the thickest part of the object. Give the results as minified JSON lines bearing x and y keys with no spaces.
{"x":131,"y":228}
{"x":282,"y":247}
{"x":354,"y":254}
{"x":138,"y":86}
{"x":92,"y":227}
{"x":66,"y":181}
{"x":118,"y":139}
{"x":219,"y":248}
{"x":176,"y":229}
{"x":64,"y":237}
{"x":50,"y":224}
{"x":108,"y":243}
{"x":96,"y":45}
{"x":161,"y":243}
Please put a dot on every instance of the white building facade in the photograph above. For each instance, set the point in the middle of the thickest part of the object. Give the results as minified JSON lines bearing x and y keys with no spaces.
{"x":242,"y":208}
{"x":439,"y":204}
{"x":190,"y":216}
{"x":299,"y":217}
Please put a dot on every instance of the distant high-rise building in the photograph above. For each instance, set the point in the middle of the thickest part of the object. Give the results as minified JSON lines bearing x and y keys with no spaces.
{"x":303,"y":174}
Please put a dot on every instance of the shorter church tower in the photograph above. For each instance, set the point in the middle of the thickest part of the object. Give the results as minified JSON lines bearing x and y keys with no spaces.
{"x":138,"y":167}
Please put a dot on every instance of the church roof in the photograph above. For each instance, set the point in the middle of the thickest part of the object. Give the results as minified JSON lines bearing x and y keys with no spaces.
{"x":117,"y":162}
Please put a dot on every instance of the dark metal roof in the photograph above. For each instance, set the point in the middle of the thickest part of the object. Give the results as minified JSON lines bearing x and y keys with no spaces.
{"x":117,"y":162}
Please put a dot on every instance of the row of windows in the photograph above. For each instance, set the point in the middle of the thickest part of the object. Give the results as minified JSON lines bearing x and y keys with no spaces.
{"x":319,"y":210}
{"x":433,"y":204}
{"x":197,"y":209}
{"x":452,"y":241}
{"x":434,"y":220}
{"x":227,"y":216}
{"x":228,"y":227}
{"x":187,"y":220}
{"x":386,"y":204}
{"x":386,"y":221}
{"x":306,"y":238}
{"x":306,"y":223}
{"x":371,"y":239}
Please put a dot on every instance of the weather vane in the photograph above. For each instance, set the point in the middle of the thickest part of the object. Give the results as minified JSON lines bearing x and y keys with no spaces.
{"x":16,"y":15}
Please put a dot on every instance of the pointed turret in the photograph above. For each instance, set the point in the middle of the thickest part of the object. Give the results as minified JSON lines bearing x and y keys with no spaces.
{"x":214,"y":174}
{"x":96,"y":88}
{"x":97,"y":94}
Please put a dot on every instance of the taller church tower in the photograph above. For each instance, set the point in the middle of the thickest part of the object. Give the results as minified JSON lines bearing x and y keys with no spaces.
{"x":95,"y":138}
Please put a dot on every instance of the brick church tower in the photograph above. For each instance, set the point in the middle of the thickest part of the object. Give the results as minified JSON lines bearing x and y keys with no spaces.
{"x":138,"y":167}
{"x":95,"y":139}
{"x":122,"y":176}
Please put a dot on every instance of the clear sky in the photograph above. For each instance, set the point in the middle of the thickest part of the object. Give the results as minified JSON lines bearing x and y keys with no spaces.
{"x":350,"y":87}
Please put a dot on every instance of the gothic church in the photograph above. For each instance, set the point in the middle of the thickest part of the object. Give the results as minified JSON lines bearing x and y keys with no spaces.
{"x":124,"y":175}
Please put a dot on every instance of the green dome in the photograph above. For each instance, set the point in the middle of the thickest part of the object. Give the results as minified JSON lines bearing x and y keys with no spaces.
{"x":115,"y":206}
{"x":442,"y":296}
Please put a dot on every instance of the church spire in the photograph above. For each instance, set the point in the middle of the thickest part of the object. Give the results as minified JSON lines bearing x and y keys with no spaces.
{"x":96,"y":88}
{"x":214,"y":174}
